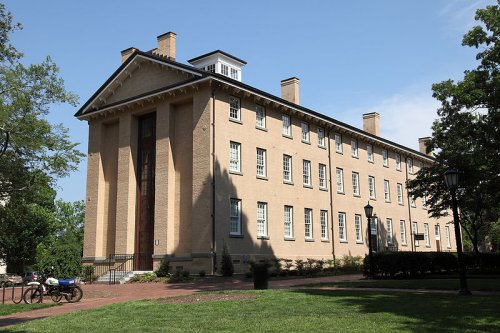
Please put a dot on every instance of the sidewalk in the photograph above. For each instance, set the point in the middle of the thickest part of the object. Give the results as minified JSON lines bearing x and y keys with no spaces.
{"x":98,"y":295}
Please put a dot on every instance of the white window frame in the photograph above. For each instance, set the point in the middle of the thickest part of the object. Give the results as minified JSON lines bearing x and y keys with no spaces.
{"x":387,"y":191}
{"x":426,"y":235}
{"x":210,"y":68}
{"x":413,"y":204}
{"x":308,"y":223}
{"x":305,"y":135}
{"x":261,"y":163}
{"x":224,"y":69}
{"x":409,"y":164}
{"x":398,"y":162}
{"x":355,"y":184}
{"x":447,"y":234}
{"x":414,"y":227}
{"x":402,"y":231}
{"x":342,"y":227}
{"x":233,"y":73}
{"x":234,"y":108}
{"x":260,"y":116}
{"x":235,"y":157}
{"x":424,"y":201}
{"x":286,"y":121}
{"x":338,"y":143}
{"x":322,"y":176}
{"x":235,"y":216}
{"x":261,"y":219}
{"x":288,"y":221}
{"x":287,"y":168}
{"x":385,"y":158}
{"x":339,"y":176}
{"x":354,"y":148}
{"x":390,"y":234}
{"x":369,"y":153}
{"x":371,"y":187}
{"x":437,"y":232}
{"x":399,"y":190}
{"x":321,"y":137}
{"x":306,"y":173}
{"x":323,"y":218}
{"x":358,"y":227}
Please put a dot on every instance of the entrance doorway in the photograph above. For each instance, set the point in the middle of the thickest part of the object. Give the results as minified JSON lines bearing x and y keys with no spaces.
{"x":144,"y":231}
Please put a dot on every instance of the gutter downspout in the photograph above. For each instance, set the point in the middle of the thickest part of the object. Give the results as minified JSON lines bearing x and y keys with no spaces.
{"x":410,"y":224}
{"x":331,"y":195}
{"x":214,"y":249}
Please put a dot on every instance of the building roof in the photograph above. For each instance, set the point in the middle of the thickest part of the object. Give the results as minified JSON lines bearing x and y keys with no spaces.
{"x":201,"y":75}
{"x":217,"y":51}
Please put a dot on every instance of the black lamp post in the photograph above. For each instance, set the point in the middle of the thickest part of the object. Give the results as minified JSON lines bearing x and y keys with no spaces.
{"x":451,"y":179}
{"x":369,"y":214}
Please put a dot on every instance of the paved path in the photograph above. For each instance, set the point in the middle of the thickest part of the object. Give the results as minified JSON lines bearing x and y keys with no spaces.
{"x":97,"y":295}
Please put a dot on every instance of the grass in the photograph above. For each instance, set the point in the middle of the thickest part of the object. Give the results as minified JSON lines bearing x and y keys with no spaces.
{"x":302,"y":310}
{"x":485,"y":284}
{"x":7,"y":309}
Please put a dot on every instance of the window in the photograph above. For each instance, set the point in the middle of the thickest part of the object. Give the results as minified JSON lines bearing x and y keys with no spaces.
{"x":261,"y":219}
{"x":287,"y":168}
{"x":342,"y":230}
{"x":287,"y":128}
{"x":447,"y":234}
{"x":426,"y":235}
{"x":390,"y":238}
{"x":387,"y":191}
{"x":437,"y":232}
{"x":234,"y":73}
{"x":338,"y":143}
{"x":261,"y":162}
{"x":415,"y":231}
{"x":234,"y":156}
{"x":402,"y":230}
{"x":359,"y":229}
{"x":424,"y":201}
{"x":322,"y":176}
{"x":369,"y":152}
{"x":306,"y":172}
{"x":355,"y":183}
{"x":412,"y":202}
{"x":371,"y":187}
{"x":399,"y":188}
{"x":385,"y":158}
{"x":420,"y":166}
{"x":260,"y":116}
{"x":211,"y":68}
{"x":354,"y":148}
{"x":323,"y":218}
{"x":288,"y":221}
{"x":340,"y":180}
{"x":398,"y":162}
{"x":409,"y":163}
{"x":235,"y":217}
{"x":234,"y":108}
{"x":321,"y":137}
{"x":305,"y":132}
{"x":308,"y":231}
{"x":224,"y":69}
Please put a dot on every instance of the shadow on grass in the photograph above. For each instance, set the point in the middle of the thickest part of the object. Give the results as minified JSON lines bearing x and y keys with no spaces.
{"x":423,"y":312}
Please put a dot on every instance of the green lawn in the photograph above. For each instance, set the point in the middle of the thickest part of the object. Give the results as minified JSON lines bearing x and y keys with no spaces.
{"x":9,"y":308}
{"x":484,"y":284}
{"x":303,"y":310}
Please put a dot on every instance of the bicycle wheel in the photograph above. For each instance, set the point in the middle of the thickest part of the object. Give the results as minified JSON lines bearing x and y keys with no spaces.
{"x":76,"y":294}
{"x":32,"y":296}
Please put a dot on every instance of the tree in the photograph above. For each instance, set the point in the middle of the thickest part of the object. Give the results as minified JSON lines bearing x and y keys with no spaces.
{"x":33,"y":152}
{"x":466,"y":136}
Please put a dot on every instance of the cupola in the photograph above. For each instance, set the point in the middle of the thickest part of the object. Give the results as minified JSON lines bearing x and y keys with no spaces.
{"x":220,"y":62}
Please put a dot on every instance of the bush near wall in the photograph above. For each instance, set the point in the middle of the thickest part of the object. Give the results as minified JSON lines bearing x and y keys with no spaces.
{"x":391,"y":263}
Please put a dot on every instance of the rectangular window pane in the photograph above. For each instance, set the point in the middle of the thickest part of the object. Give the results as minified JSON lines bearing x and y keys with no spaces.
{"x":399,"y":188}
{"x":398,"y":162}
{"x":305,"y":131}
{"x":354,"y":148}
{"x":288,"y":221}
{"x":447,"y":232}
{"x":260,"y":116}
{"x":424,"y":201}
{"x":387,"y":191}
{"x":409,"y":163}
{"x":287,"y":168}
{"x":321,"y":137}
{"x":385,"y":158}
{"x":355,"y":183}
{"x":224,"y":70}
{"x":324,"y":224}
{"x":369,"y":152}
{"x":235,"y":217}
{"x":359,"y":228}
{"x":338,"y":143}
{"x":371,"y":187}
{"x":437,"y":232}
{"x":308,"y":231}
{"x":234,"y":108}
{"x":390,"y":239}
{"x":261,"y":162}
{"x":287,"y":128}
{"x":342,"y":230}
{"x":322,"y":176}
{"x":234,"y":156}
{"x":261,"y":219}
{"x":426,"y":235}
{"x":306,"y":172}
{"x":415,"y":231}
{"x":234,"y":73}
{"x":402,"y":230}
{"x":340,"y":180}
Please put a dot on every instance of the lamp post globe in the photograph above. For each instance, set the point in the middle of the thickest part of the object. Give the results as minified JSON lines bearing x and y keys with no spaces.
{"x":369,"y":214}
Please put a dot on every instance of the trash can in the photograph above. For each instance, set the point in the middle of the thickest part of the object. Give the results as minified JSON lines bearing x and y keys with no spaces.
{"x":260,"y":276}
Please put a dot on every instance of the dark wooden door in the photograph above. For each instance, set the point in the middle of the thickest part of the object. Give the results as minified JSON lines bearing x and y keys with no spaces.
{"x":144,"y":236}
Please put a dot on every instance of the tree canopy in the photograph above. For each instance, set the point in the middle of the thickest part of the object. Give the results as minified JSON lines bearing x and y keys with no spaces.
{"x":466,"y":135}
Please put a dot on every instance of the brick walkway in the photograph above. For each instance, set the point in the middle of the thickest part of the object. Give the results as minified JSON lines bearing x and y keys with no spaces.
{"x":97,"y":295}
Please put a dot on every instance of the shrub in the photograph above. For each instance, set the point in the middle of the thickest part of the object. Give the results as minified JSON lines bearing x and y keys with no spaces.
{"x":164,"y":268}
{"x":202,"y":273}
{"x":178,"y":276}
{"x":143,"y":278}
{"x":227,"y":268}
{"x":300,"y":266}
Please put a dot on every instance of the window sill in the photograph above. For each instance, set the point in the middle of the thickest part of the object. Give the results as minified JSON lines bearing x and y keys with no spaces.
{"x":235,"y":236}
{"x":261,"y":128}
{"x":356,"y":157}
{"x":341,"y":192}
{"x":325,"y":241}
{"x":286,"y":182}
{"x":398,"y":170}
{"x":401,"y":204}
{"x":343,"y":241}
{"x":237,"y":173}
{"x":388,"y":201}
{"x":373,"y":198}
{"x":359,"y":242}
{"x":263,"y":237}
{"x":356,"y":195}
{"x":339,"y":152}
{"x":306,"y":142}
{"x":237,"y":121}
{"x":324,"y":189}
{"x":309,"y":239}
{"x":372,"y":162}
{"x":262,"y":177}
{"x":308,"y":186}
{"x":289,"y":239}
{"x":287,"y":136}
{"x":386,"y":166}
{"x":322,"y":147}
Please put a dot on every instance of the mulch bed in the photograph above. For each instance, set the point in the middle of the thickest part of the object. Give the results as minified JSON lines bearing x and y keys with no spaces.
{"x":197,"y":298}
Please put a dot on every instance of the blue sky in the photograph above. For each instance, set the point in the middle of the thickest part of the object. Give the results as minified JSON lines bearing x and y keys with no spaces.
{"x":352,"y":57}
